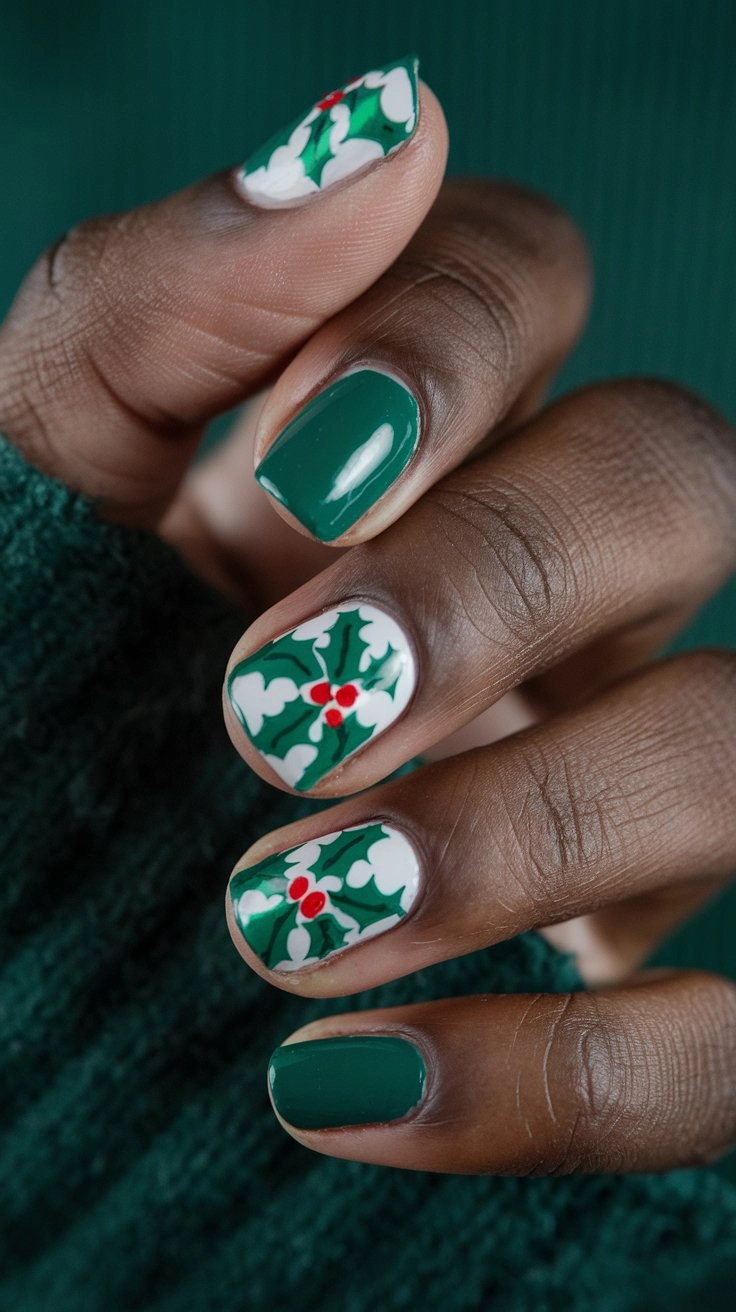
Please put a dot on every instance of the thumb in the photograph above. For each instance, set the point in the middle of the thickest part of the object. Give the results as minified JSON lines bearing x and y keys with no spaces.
{"x":135,"y":330}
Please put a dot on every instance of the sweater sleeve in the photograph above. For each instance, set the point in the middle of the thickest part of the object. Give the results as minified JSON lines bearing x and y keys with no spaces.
{"x":140,"y":1165}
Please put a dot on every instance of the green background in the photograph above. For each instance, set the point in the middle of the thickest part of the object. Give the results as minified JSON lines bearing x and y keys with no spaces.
{"x":622,"y":110}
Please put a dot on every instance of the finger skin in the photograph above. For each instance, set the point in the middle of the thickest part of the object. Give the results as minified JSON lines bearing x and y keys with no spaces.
{"x":617,"y":504}
{"x":615,"y":801}
{"x":134,"y":330}
{"x":488,"y":296}
{"x":641,"y":1078}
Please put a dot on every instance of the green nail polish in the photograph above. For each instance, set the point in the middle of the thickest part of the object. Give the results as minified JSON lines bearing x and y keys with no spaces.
{"x":342,"y":451}
{"x":299,"y":906}
{"x":361,"y":1079}
{"x":347,"y":130}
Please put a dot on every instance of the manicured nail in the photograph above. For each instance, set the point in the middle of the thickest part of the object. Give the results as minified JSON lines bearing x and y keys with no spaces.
{"x":346,"y":448}
{"x":363,"y":121}
{"x":353,"y":1080}
{"x":301,"y":905}
{"x":312,"y":697}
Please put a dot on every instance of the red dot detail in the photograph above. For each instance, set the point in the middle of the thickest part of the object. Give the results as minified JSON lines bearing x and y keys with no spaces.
{"x":312,"y":905}
{"x":333,"y":717}
{"x":321,"y":693}
{"x":333,"y":98}
{"x":298,"y":887}
{"x":346,"y":695}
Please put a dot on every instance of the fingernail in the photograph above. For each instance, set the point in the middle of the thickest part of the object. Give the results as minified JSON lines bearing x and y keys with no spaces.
{"x":342,"y":451}
{"x":312,"y":697}
{"x":301,"y":905}
{"x":346,"y":130}
{"x":350,"y":1080}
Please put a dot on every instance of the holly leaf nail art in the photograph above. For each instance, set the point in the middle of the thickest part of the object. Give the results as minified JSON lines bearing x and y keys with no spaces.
{"x":320,"y":692}
{"x":299,"y":906}
{"x":348,"y":128}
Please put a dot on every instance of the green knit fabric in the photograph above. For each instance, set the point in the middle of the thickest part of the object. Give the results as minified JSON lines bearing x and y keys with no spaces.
{"x":141,"y":1168}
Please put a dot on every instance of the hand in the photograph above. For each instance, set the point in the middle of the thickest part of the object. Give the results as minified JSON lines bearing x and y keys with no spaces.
{"x":503,"y":561}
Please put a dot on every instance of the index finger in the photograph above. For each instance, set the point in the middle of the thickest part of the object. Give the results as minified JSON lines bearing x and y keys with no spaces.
{"x":402,"y":385}
{"x":136,"y":329}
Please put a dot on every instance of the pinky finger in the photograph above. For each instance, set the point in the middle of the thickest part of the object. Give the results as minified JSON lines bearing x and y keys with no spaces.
{"x":641,"y":1078}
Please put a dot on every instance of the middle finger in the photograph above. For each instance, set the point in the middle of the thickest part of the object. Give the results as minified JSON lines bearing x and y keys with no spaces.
{"x":616,"y":505}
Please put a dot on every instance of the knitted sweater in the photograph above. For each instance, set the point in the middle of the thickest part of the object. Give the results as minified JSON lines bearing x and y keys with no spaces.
{"x":141,"y":1167}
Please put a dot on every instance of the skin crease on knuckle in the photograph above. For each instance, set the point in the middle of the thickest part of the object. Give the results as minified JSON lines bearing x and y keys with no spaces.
{"x":652,"y":1079}
{"x":574,"y":811}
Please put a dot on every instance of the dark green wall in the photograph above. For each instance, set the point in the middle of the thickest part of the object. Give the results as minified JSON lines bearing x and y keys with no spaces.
{"x":624,"y":110}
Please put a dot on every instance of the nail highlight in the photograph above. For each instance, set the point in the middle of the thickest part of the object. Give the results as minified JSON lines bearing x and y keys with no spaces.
{"x":314,"y":696}
{"x":342,"y":451}
{"x":349,"y":1080}
{"x":302,"y":905}
{"x":367,"y":119}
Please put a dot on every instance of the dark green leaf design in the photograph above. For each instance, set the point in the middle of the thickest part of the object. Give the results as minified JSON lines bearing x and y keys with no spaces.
{"x":283,"y":659}
{"x":279,"y":733}
{"x":351,"y":845}
{"x":267,"y":934}
{"x":367,"y":119}
{"x":335,"y":746}
{"x":317,"y":151}
{"x":343,"y":655}
{"x":382,"y":672}
{"x":368,"y":904}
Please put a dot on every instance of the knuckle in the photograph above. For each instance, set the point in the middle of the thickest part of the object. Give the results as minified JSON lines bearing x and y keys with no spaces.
{"x":643,"y":1079}
{"x":486,"y":270}
{"x":653,"y":1085}
{"x":599,"y":1083}
{"x":518,"y":221}
{"x":483,"y":316}
{"x":705,"y":682}
{"x":706,"y":1069}
{"x":584,"y":1081}
{"x":506,"y":559}
{"x":564,"y":829}
{"x":45,"y":339}
{"x":671,"y":439}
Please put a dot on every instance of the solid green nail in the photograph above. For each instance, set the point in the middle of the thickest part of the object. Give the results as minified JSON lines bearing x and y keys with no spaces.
{"x":342,"y":451}
{"x":350,"y":1080}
